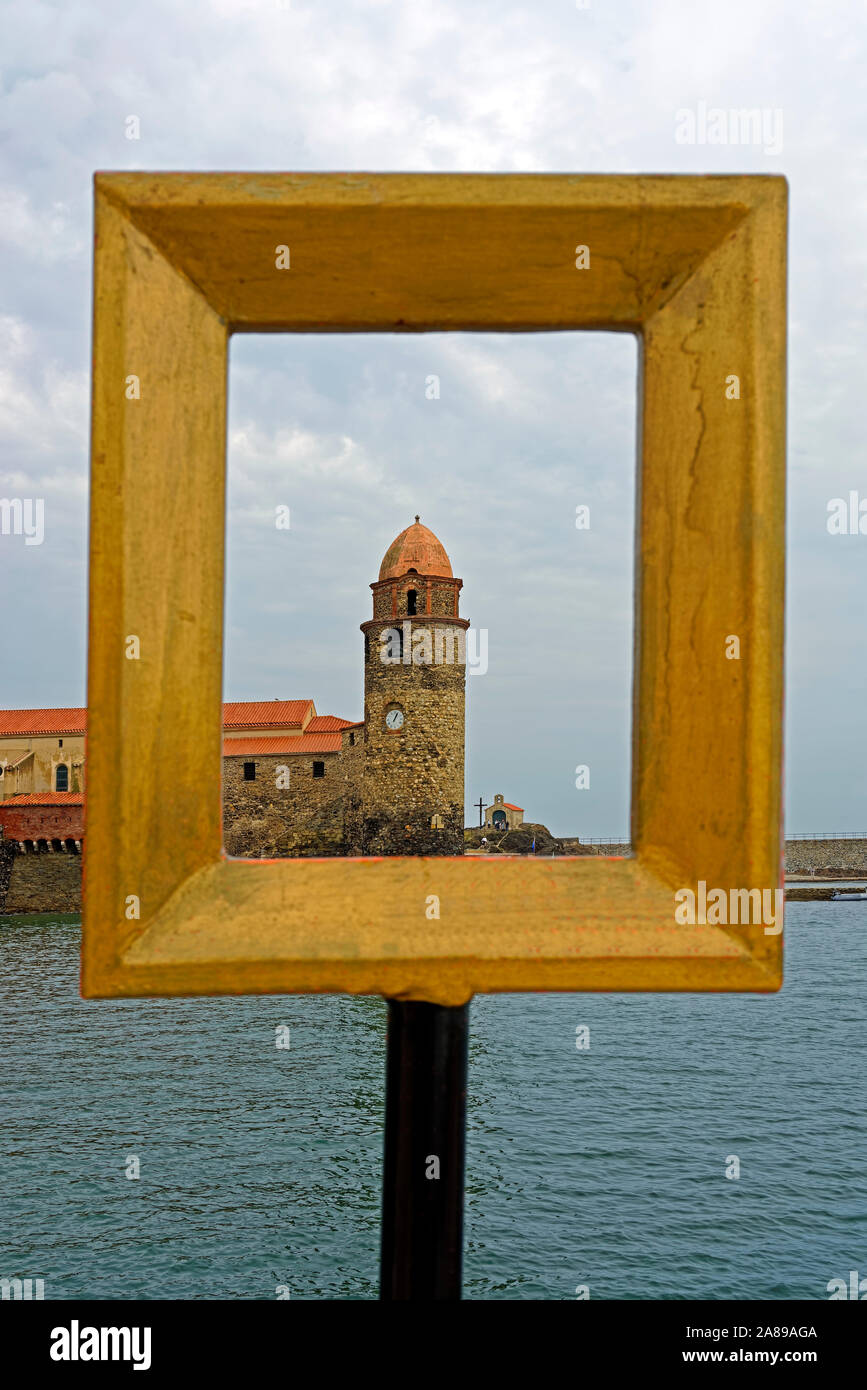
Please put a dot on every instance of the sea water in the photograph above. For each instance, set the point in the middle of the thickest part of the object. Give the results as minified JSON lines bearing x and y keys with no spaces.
{"x":601,"y":1167}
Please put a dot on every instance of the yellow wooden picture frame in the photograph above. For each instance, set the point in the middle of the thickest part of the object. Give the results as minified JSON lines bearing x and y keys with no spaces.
{"x":696,"y":268}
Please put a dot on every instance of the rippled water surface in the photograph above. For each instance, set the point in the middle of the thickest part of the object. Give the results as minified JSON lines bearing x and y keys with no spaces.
{"x":262,"y":1166}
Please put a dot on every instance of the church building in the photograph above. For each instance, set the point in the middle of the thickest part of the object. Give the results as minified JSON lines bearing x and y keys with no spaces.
{"x":503,"y":815}
{"x":297,"y":783}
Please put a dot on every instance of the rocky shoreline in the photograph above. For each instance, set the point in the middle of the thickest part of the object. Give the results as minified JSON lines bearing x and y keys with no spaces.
{"x":825,"y":892}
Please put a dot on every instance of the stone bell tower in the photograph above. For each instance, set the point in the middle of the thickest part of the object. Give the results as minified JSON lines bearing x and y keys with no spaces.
{"x":412,"y":782}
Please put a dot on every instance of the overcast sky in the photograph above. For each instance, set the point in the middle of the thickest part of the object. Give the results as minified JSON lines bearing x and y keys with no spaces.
{"x":525,"y":429}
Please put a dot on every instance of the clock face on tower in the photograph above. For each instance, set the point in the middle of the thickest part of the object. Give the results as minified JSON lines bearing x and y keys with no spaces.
{"x":394,"y":718}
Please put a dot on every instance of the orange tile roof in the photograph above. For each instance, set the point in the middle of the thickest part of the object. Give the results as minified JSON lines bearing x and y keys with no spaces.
{"x":329,"y":723}
{"x":262,"y":714}
{"x":44,"y":799}
{"x":509,"y":807}
{"x":237,"y":714}
{"x":291,"y":745}
{"x":42,"y":721}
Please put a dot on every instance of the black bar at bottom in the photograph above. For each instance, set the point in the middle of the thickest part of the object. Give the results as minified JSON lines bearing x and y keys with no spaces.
{"x":425,"y":1132}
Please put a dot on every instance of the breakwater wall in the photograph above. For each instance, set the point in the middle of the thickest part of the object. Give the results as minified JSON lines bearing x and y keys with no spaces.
{"x":808,"y":893}
{"x":820,"y":858}
{"x":47,"y":882}
{"x":51,"y":881}
{"x":827,"y":858}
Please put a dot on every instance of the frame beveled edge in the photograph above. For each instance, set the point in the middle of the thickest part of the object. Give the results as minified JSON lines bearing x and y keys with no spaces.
{"x":368,"y":932}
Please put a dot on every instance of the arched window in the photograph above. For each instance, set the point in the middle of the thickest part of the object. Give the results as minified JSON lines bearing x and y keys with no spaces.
{"x":61,"y":778}
{"x":411,"y":600}
{"x":436,"y":822}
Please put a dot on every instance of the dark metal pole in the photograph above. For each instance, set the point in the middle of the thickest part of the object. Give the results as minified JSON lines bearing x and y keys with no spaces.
{"x":425,"y":1132}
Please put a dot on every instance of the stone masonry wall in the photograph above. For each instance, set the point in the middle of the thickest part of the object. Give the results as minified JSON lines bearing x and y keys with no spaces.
{"x":442,"y":601}
{"x":352,"y":760}
{"x":390,"y":596}
{"x":47,"y":882}
{"x":416,"y":773}
{"x":8,"y":851}
{"x":841,"y":857}
{"x":264,"y":820}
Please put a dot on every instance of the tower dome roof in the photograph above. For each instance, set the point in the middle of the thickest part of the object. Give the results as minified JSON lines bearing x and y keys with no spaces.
{"x":416,"y":548}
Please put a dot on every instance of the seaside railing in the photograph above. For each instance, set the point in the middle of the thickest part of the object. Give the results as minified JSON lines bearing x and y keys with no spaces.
{"x":829,"y":835}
